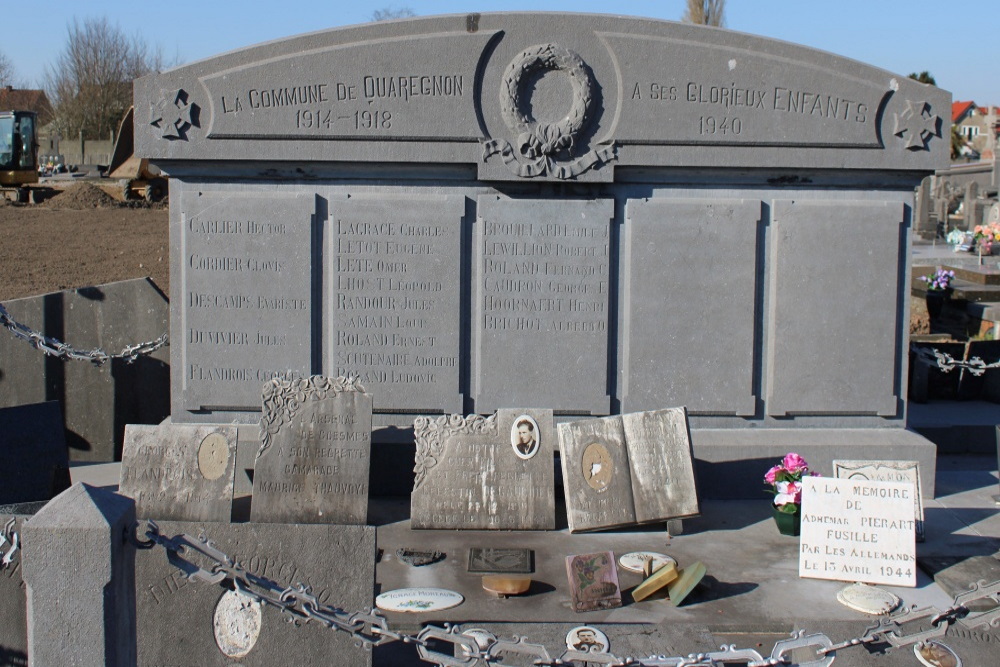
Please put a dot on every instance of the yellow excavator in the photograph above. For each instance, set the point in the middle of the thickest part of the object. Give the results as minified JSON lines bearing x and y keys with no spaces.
{"x":139,"y":179}
{"x":18,"y":154}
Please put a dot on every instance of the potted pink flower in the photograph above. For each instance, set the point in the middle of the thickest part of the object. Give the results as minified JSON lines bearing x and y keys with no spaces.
{"x":786,"y":485}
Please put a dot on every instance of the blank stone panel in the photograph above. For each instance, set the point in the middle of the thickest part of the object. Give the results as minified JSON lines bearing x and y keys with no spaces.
{"x":833,"y":318}
{"x":690,"y":268}
{"x":243,"y":303}
{"x":541,"y":309}
{"x":393,"y":304}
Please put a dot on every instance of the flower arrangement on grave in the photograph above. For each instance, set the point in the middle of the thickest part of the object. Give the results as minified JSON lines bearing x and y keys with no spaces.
{"x":986,"y":235}
{"x":960,"y":240}
{"x":939,"y":281}
{"x":786,"y":482}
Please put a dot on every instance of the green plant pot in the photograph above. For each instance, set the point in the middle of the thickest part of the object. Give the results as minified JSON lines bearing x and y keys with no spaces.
{"x":788,"y":524}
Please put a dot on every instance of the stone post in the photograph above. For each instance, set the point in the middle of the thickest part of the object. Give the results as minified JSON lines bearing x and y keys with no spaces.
{"x":80,"y":577}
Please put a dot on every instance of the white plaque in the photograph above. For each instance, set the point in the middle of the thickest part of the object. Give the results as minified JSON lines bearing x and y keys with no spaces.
{"x":887,"y":471}
{"x":418,"y":599}
{"x":635,"y":561}
{"x":858,"y":530}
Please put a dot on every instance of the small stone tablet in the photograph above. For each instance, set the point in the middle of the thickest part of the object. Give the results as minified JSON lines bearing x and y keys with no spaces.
{"x":490,"y":560}
{"x":418,"y":599}
{"x":655,"y":582}
{"x":593,"y":581}
{"x":867,"y":599}
{"x":587,"y":639}
{"x":935,"y":654}
{"x":687,"y":579}
{"x":635,"y":561}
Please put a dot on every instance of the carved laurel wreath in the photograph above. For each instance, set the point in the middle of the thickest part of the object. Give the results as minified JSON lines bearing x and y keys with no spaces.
{"x":283,"y":397}
{"x":537,"y":139}
{"x":431,"y":433}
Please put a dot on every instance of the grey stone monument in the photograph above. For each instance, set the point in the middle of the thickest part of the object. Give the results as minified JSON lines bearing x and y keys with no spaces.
{"x":33,"y":459}
{"x":179,"y":471}
{"x":97,"y":401}
{"x":313,"y":462}
{"x":589,"y":214}
{"x":183,"y":621}
{"x":630,"y":469}
{"x":485,"y":473}
{"x":80,"y":579}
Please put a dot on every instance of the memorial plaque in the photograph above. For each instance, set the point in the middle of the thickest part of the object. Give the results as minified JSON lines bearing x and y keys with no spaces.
{"x":887,"y":471}
{"x":179,"y":471}
{"x":485,"y":473}
{"x":629,"y":469}
{"x":593,"y":581}
{"x":245,"y":279}
{"x":395,"y":288}
{"x":489,"y":560}
{"x":312,"y":466}
{"x":33,"y":458}
{"x":858,"y":530}
{"x":181,"y":621}
{"x":544,"y":286}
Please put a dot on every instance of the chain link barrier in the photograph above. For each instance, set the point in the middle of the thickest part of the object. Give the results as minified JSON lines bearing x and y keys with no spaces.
{"x":9,"y":536}
{"x":200,"y":560}
{"x":947,"y":363}
{"x":56,"y":348}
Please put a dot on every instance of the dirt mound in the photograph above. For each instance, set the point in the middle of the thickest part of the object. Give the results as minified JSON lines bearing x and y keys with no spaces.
{"x":81,"y":196}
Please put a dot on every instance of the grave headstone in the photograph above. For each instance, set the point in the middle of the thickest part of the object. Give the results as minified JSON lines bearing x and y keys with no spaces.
{"x":485,"y":473}
{"x":887,"y":471}
{"x":858,"y":530}
{"x":179,"y":471}
{"x":203,"y":625}
{"x":313,"y":462}
{"x":79,"y":576}
{"x":96,"y":402}
{"x":33,"y":459}
{"x":630,"y":469}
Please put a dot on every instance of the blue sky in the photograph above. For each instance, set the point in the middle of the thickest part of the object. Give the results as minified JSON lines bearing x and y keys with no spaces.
{"x":902,"y":36}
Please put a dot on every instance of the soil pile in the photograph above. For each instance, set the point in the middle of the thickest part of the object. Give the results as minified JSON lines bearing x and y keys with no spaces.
{"x":82,"y":196}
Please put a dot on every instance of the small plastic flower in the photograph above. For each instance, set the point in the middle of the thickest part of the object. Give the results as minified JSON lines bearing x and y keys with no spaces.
{"x":772,"y":473}
{"x":794,"y":463}
{"x":788,"y":492}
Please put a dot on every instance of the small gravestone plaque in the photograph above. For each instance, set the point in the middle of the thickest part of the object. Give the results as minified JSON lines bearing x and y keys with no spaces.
{"x":494,"y":560}
{"x":858,"y":530}
{"x":179,"y":472}
{"x":628,"y":469}
{"x":33,"y":456}
{"x":887,"y":471}
{"x":484,"y":473}
{"x":593,"y":581}
{"x":312,"y":466}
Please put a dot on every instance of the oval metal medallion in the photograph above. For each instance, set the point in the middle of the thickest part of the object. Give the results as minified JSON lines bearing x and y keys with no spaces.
{"x":636,"y":560}
{"x":418,"y":599}
{"x":587,"y":639}
{"x":935,"y":654}
{"x":596,"y":466}
{"x":213,"y":456}
{"x":867,"y":599}
{"x":237,"y":622}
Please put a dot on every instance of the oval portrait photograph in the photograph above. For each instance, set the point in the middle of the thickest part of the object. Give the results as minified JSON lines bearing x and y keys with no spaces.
{"x":524,"y":437}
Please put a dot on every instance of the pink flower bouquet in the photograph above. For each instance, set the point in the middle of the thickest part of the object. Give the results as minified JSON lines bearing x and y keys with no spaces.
{"x":786,"y":482}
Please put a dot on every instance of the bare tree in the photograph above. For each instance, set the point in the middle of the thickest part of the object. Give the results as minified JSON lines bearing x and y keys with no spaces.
{"x":389,"y":13}
{"x":705,"y":12}
{"x":90,"y":85}
{"x":6,"y":71}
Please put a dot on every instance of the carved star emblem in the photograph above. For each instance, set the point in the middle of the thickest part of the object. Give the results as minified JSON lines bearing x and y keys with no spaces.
{"x":172,"y":114}
{"x":917,"y":125}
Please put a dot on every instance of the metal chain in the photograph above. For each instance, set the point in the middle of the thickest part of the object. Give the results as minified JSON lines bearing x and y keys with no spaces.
{"x":9,"y":535}
{"x":947,"y":363}
{"x":476,"y":650}
{"x":61,"y":350}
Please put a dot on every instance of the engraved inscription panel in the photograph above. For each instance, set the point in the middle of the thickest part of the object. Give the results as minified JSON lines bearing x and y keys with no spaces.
{"x":469,"y":476}
{"x":543,"y":307}
{"x":394,"y":298}
{"x":833,"y":355}
{"x":676,"y":354}
{"x":243,"y":297}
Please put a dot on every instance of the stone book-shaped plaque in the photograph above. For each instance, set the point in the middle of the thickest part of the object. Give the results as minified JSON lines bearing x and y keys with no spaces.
{"x":883,"y":470}
{"x":628,"y":469}
{"x":593,"y":581}
{"x":179,"y":472}
{"x":313,"y":462}
{"x":484,"y":473}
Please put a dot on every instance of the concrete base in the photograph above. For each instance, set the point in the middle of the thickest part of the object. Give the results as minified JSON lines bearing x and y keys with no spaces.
{"x":730,"y":464}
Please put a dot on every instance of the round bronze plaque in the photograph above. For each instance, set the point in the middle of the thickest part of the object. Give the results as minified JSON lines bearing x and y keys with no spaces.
{"x":213,"y":456}
{"x":597,"y":467}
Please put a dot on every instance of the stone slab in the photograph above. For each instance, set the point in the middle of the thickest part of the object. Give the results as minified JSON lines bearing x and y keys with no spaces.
{"x":887,"y":471}
{"x":315,"y":453}
{"x":494,"y":473}
{"x":175,"y":615}
{"x":630,"y":469}
{"x":179,"y":472}
{"x":97,"y":402}
{"x":33,"y":458}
